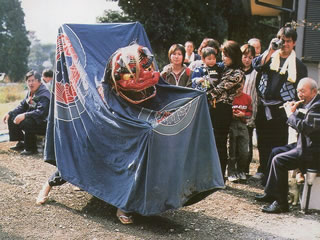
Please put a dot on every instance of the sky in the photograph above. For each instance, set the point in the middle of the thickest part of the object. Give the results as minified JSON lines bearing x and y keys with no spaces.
{"x":46,"y":16}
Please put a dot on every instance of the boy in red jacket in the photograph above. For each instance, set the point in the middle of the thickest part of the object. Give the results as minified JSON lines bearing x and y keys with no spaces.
{"x":239,"y":137}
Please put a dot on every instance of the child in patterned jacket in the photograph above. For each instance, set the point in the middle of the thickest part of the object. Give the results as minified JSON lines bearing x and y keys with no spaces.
{"x":206,"y":77}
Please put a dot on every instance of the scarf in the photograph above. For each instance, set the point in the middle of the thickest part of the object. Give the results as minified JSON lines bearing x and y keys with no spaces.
{"x":288,"y":66}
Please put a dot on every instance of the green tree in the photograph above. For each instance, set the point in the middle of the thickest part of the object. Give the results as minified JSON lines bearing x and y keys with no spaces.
{"x":14,"y":43}
{"x":176,"y":21}
{"x":111,"y":16}
{"x":168,"y":22}
{"x":41,"y":56}
{"x":242,"y":27}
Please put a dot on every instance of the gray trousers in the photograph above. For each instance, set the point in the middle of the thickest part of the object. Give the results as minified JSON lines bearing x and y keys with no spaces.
{"x":238,"y":147}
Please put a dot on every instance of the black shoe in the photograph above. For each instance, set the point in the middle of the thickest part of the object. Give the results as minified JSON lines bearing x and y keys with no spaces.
{"x":27,"y":153}
{"x":18,"y":147}
{"x":263,"y":198}
{"x":276,"y":207}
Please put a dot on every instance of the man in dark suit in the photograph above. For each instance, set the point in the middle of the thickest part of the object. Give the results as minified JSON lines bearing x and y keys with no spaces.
{"x":304,"y":117}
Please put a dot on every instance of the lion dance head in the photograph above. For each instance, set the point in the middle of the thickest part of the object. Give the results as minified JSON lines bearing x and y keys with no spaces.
{"x":131,"y":72}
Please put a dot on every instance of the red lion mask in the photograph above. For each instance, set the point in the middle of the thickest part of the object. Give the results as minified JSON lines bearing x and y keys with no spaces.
{"x":131,"y":72}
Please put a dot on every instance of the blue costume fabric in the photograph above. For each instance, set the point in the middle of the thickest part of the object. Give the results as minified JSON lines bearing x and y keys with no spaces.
{"x":145,"y":158}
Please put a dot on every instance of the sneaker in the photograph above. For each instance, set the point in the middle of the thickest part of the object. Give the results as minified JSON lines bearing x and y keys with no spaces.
{"x":28,"y":153}
{"x":233,"y":178}
{"x":258,"y":176}
{"x":18,"y":147}
{"x":242,"y":176}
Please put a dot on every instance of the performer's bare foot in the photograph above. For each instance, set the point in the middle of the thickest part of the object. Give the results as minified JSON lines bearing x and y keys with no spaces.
{"x":75,"y":188}
{"x":124,"y":218}
{"x":43,"y":194}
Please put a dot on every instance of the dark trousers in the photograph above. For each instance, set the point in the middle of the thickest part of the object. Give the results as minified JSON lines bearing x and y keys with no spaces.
{"x":26,"y":131}
{"x":56,"y":179}
{"x":270,"y":133}
{"x":250,"y":154}
{"x":221,"y":118}
{"x":282,"y":159}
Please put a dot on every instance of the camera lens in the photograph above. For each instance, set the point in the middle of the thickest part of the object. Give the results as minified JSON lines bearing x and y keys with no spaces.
{"x":277,"y":44}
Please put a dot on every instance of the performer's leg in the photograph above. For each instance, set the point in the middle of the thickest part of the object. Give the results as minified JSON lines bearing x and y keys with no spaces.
{"x":125,"y":218}
{"x":43,"y":194}
{"x":54,"y":180}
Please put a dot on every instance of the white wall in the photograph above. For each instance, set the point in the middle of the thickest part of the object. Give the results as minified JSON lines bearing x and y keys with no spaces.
{"x":314,"y":71}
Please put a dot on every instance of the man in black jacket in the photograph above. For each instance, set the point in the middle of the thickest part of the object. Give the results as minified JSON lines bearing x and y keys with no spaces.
{"x":30,"y":116}
{"x":304,"y":117}
{"x":279,"y":72}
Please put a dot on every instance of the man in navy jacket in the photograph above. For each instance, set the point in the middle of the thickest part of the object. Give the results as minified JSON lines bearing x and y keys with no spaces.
{"x":305,"y":153}
{"x":279,"y":72}
{"x":30,"y":116}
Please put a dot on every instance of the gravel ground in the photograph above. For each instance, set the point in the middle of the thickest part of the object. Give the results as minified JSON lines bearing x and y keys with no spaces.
{"x":227,"y":214}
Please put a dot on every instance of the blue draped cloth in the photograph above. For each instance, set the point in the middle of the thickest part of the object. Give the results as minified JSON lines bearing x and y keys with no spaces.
{"x":145,"y":158}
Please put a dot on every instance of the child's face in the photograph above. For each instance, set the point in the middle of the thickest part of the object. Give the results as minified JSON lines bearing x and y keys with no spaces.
{"x":210,"y":60}
{"x":247,"y":60}
{"x":176,"y":57}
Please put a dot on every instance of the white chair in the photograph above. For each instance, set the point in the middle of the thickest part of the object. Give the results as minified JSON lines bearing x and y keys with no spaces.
{"x":311,"y":191}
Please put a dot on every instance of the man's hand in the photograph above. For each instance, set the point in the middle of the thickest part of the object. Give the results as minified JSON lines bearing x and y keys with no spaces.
{"x":19,"y":118}
{"x":291,"y":107}
{"x":267,"y":54}
{"x":5,"y":118}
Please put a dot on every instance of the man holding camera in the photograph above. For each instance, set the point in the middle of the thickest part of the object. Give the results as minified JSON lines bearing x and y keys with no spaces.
{"x":279,"y":72}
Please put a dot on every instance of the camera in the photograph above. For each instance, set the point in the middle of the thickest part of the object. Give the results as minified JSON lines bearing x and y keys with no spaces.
{"x":277,"y":44}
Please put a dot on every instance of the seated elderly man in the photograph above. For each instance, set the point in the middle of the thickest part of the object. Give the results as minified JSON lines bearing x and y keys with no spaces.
{"x":304,"y":117}
{"x":30,"y":116}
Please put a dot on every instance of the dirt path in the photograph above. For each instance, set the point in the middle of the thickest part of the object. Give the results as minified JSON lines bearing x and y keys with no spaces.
{"x":228,"y":214}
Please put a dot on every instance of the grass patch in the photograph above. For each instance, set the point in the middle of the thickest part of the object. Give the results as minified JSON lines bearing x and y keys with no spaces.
{"x":12,"y":93}
{"x":10,"y":96}
{"x":6,"y":107}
